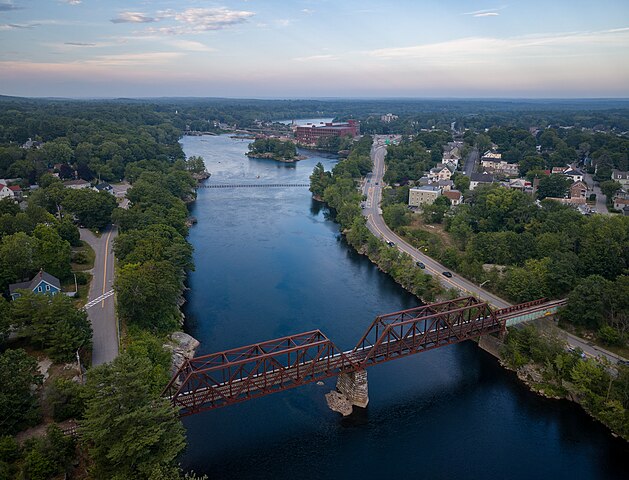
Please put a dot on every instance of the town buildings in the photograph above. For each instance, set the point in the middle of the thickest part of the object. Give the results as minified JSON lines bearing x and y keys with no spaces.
{"x":426,"y":195}
{"x":621,"y":177}
{"x":477,"y":179}
{"x":388,"y":118}
{"x":310,"y":133}
{"x":43,"y":283}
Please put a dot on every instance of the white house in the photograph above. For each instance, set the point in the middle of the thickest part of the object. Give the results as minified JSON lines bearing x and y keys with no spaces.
{"x":440,"y":172}
{"x":5,"y":192}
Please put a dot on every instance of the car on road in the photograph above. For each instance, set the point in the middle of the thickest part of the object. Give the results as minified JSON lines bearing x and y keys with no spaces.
{"x":420,"y":264}
{"x":447,"y":274}
{"x":390,"y":244}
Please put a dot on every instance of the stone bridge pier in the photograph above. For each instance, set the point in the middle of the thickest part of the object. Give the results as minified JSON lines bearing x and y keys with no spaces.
{"x":354,"y":386}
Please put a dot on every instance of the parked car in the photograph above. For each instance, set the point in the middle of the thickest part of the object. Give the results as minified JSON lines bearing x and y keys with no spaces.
{"x":391,"y":244}
{"x":447,"y":274}
{"x":420,"y":264}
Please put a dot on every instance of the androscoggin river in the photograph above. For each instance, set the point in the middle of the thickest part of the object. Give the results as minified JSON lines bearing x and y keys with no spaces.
{"x":269,"y":263}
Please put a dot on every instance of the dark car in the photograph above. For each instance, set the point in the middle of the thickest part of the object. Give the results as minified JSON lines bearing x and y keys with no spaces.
{"x":391,"y":244}
{"x":447,"y":274}
{"x":420,"y":264}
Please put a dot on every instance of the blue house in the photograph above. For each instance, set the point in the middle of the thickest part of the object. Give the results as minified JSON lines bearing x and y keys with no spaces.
{"x":42,"y":283}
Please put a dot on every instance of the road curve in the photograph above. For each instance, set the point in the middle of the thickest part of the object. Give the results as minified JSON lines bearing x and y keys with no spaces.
{"x":373,"y":190}
{"x":102,"y":315}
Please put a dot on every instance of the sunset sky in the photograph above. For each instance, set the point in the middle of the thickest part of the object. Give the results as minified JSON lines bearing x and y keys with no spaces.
{"x":315,"y":48}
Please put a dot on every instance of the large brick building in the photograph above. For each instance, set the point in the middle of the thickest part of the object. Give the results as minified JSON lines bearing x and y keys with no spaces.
{"x":310,"y":133}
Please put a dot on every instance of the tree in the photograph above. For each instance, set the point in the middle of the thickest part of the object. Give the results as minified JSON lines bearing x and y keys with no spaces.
{"x":52,"y":323}
{"x":319,"y":180}
{"x":49,"y":456}
{"x":195,"y":164}
{"x":396,"y":215}
{"x":588,"y":303}
{"x":147,"y":294}
{"x":434,"y":212}
{"x":18,"y":403}
{"x":555,"y":186}
{"x":461,"y":182}
{"x":5,"y":319}
{"x":610,"y":188}
{"x":53,"y":254}
{"x":92,"y":209}
{"x":17,"y":254}
{"x":128,"y":429}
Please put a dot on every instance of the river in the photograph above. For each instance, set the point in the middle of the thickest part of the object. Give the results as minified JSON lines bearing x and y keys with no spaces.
{"x":270,"y":262}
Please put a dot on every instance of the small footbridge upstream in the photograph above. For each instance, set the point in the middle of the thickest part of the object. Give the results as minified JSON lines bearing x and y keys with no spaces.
{"x":240,"y":374}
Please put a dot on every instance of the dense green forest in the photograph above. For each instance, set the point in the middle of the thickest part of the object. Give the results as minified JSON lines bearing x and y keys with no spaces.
{"x":273,"y":148}
{"x":110,"y":141}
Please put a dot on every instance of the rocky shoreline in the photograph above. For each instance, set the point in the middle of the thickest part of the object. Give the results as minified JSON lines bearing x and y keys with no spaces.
{"x":270,"y":156}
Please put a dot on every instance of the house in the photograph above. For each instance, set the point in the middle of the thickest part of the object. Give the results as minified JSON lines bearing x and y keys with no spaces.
{"x":621,"y":177}
{"x":5,"y":192}
{"x":578,"y":190}
{"x":32,"y":144}
{"x":440,"y":172}
{"x":477,"y":179}
{"x":76,"y":184}
{"x":558,"y":170}
{"x":492,"y":156}
{"x":418,"y":196}
{"x":444,"y":185}
{"x":388,"y":118}
{"x":454,"y":195}
{"x":42,"y":283}
{"x":501,"y":167}
{"x":103,"y":187}
{"x":575,"y":174}
{"x":621,"y":200}
{"x":520,"y":184}
{"x":17,"y":191}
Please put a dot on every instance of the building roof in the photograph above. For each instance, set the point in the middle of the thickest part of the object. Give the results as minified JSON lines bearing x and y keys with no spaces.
{"x":30,"y":285}
{"x":619,"y":174}
{"x":481,"y":178}
{"x":452,"y":194}
{"x":103,"y":186}
{"x":427,"y":188}
{"x":15,"y":188}
{"x":80,"y":181}
{"x":573,"y":171}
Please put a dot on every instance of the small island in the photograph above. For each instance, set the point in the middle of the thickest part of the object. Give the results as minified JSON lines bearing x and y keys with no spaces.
{"x":282,"y":151}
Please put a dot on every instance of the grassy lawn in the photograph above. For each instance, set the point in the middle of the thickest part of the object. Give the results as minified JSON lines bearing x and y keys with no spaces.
{"x":82,"y":257}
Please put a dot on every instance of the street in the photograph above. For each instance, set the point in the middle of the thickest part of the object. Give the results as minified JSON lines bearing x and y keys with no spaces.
{"x":101,"y":311}
{"x":601,"y":199}
{"x":375,"y":223}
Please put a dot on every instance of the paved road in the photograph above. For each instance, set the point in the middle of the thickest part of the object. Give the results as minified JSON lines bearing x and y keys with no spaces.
{"x":102,"y":315}
{"x":601,"y":199}
{"x":373,"y":190}
{"x":470,"y":162}
{"x":377,"y":226}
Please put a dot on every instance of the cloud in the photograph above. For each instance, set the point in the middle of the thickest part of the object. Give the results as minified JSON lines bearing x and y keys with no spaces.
{"x":191,"y":46}
{"x":316,"y":58}
{"x":134,"y":59}
{"x":308,"y":11}
{"x":72,"y":2}
{"x":196,"y":20}
{"x":8,"y":6}
{"x":132,"y":17}
{"x":490,"y":49}
{"x":18,"y":26}
{"x":488,"y":12}
{"x":80,"y":44}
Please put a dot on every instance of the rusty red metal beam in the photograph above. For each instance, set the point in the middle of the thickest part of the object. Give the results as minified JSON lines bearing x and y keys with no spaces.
{"x":239,"y":374}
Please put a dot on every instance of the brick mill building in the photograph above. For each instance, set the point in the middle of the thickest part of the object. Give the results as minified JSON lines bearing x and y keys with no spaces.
{"x":310,"y":133}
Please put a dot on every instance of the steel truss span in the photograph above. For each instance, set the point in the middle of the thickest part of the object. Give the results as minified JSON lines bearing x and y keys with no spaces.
{"x":232,"y":376}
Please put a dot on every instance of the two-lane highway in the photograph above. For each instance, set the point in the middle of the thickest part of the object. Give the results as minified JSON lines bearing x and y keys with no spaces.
{"x":373,"y":190}
{"x":101,"y":306}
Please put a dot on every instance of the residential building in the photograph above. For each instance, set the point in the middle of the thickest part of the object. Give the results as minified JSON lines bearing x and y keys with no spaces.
{"x":521,"y":184}
{"x":5,"y":192}
{"x":578,"y":190}
{"x":77,"y":184}
{"x":574,"y":173}
{"x":43,"y":283}
{"x":621,"y":177}
{"x":491,"y":155}
{"x":477,"y":179}
{"x":501,"y":167}
{"x":455,"y":197}
{"x":310,"y":133}
{"x":388,"y":118}
{"x":103,"y":187}
{"x":440,"y":172}
{"x":418,"y":196}
{"x":444,"y":185}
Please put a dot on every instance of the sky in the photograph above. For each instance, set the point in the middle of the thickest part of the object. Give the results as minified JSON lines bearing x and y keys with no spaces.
{"x":315,"y":48}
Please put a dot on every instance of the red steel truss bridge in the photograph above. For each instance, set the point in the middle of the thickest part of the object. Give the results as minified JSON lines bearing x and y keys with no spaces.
{"x":232,"y":376}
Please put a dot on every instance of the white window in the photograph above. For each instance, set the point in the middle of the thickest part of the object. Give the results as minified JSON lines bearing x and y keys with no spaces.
{"x":39,"y":288}
{"x":48,"y":288}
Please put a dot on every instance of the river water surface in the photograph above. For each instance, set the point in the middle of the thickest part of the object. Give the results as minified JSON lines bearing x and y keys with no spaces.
{"x":269,"y":263}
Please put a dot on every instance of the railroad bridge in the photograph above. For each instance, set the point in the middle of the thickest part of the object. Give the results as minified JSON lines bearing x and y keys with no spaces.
{"x":240,"y":374}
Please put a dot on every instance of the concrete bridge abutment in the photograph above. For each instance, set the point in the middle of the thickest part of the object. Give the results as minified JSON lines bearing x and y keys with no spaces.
{"x":354,"y":386}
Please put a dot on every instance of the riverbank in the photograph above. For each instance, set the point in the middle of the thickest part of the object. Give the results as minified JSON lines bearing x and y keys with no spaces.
{"x":271,"y":156}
